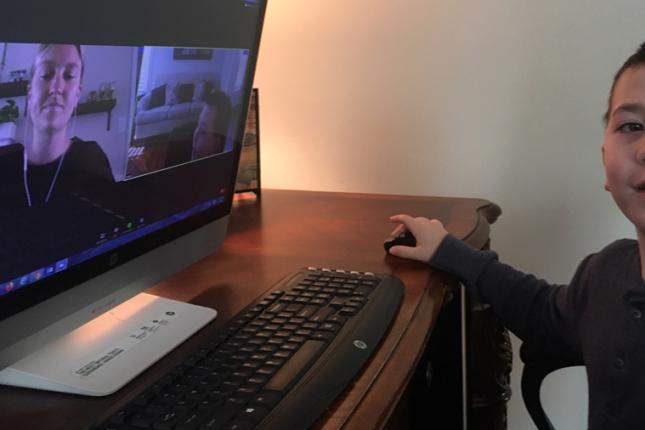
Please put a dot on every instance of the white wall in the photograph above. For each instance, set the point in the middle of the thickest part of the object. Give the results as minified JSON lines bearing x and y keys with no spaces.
{"x":500,"y":99}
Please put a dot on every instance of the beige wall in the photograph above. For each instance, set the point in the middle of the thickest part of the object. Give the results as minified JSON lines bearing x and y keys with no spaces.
{"x":501,"y":99}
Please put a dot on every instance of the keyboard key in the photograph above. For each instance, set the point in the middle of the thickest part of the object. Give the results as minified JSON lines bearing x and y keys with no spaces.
{"x":248,"y":389}
{"x":142,"y":420}
{"x":339,"y":319}
{"x":287,"y":315}
{"x":121,"y":416}
{"x":276,"y":308}
{"x":322,"y":314}
{"x":239,"y":425}
{"x":268,"y":348}
{"x":323,"y":335}
{"x":277,"y":362}
{"x":298,"y":364}
{"x":337,"y":303}
{"x":266,"y":371}
{"x":290,"y":346}
{"x":258,"y":380}
{"x":219,"y":418}
{"x":294,"y":307}
{"x":307,"y":311}
{"x":267,"y":399}
{"x":167,"y":421}
{"x":364,"y":290}
{"x":347,"y":311}
{"x":193,"y":420}
{"x":282,"y":353}
{"x":253,"y":414}
{"x":304,"y":332}
{"x":297,"y":339}
{"x":260,"y":356}
{"x":329,"y":326}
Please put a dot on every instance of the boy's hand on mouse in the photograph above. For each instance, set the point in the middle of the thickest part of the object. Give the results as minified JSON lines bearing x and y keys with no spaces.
{"x":428,"y":232}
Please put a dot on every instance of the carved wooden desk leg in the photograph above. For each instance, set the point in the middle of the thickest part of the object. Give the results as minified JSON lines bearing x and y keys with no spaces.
{"x":490,"y":360}
{"x":489,"y":367}
{"x":436,"y":388}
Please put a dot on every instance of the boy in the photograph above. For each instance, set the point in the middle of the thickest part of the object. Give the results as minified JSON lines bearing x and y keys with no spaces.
{"x":598,"y":317}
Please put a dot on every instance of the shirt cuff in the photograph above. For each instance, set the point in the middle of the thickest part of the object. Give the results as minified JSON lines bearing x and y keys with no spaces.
{"x":461,"y":260}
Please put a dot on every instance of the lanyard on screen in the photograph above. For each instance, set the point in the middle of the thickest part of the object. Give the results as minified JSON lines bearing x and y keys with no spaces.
{"x":51,"y":186}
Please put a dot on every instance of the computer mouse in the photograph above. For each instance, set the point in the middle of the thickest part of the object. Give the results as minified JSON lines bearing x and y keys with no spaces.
{"x":406,"y":239}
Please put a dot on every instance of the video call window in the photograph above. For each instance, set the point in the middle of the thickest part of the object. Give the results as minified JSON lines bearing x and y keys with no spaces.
{"x":63,"y":93}
{"x":92,"y":139}
{"x":144,"y":108}
{"x":185,"y":102}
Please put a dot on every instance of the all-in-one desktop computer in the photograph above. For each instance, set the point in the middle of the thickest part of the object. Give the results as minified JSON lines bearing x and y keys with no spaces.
{"x":120,"y":133}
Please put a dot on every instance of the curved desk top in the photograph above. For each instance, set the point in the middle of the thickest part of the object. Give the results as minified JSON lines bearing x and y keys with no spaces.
{"x":268,"y":239}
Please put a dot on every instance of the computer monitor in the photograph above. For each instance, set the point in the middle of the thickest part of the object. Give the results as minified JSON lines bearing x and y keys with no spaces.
{"x":121,"y":125}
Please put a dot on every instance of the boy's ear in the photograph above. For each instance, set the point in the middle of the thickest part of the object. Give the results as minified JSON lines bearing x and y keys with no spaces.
{"x":602,"y":150}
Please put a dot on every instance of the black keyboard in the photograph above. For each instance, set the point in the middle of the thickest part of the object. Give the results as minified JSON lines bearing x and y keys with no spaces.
{"x":280,"y":363}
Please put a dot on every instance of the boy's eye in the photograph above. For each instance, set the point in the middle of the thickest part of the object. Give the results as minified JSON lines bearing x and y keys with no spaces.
{"x":630,"y":127}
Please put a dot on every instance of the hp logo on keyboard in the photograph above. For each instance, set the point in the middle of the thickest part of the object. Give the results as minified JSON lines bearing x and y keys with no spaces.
{"x":360,"y":344}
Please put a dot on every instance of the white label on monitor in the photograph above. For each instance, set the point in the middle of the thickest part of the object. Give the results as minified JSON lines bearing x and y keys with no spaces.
{"x":143,"y":333}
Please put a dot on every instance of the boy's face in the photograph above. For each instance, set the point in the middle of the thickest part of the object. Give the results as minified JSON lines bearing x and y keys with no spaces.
{"x":624,"y":146}
{"x":206,"y":140}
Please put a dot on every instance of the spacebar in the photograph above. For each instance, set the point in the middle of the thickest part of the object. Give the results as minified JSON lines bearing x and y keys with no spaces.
{"x":296,"y":366}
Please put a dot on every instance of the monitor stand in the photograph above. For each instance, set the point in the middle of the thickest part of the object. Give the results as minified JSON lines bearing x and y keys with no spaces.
{"x":103,"y":355}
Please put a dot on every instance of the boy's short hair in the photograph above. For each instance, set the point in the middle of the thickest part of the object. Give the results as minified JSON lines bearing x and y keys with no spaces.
{"x":636,"y":59}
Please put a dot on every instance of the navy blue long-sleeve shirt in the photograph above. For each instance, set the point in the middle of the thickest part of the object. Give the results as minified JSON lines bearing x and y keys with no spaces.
{"x":598,"y":318}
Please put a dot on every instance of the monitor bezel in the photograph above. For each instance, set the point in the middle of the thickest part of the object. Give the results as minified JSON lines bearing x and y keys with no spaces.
{"x":75,"y":276}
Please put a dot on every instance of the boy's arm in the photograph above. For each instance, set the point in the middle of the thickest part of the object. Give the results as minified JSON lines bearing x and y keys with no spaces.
{"x":541,"y":314}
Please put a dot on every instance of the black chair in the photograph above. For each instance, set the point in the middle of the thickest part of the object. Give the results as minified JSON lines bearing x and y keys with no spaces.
{"x":533,"y":374}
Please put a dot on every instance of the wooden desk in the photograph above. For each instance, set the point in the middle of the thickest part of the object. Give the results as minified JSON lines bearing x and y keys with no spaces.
{"x":267,"y":240}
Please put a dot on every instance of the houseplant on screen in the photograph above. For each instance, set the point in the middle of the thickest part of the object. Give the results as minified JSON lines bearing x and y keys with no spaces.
{"x":9,"y":113}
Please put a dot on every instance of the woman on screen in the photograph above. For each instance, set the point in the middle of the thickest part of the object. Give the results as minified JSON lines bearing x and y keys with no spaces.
{"x":53,"y":162}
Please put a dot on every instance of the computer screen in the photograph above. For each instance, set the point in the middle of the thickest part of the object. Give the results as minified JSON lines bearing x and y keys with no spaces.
{"x":120,"y":131}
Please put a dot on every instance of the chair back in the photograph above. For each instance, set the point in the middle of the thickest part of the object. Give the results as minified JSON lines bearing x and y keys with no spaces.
{"x":532,"y":376}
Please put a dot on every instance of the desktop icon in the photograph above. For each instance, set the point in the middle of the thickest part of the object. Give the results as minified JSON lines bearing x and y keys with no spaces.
{"x":49,"y":270}
{"x":24,"y":280}
{"x":8,"y":287}
{"x":62,"y":264}
{"x":36,"y":275}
